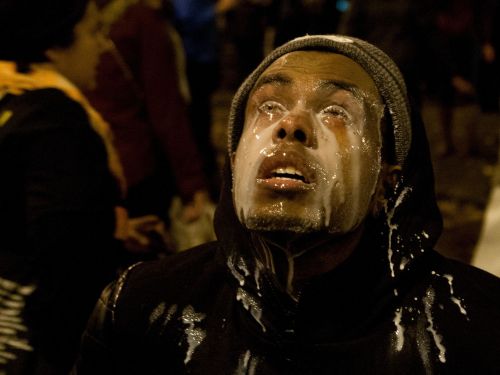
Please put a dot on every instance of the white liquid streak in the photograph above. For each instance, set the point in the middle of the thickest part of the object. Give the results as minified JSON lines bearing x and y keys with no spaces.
{"x":393,"y":227}
{"x":454,"y":299}
{"x":194,"y":336}
{"x":251,"y":305}
{"x":400,"y":338}
{"x":438,"y":339}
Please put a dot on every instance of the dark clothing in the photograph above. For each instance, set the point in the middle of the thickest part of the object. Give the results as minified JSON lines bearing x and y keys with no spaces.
{"x":344,"y":322}
{"x":57,"y":221}
{"x":394,"y":306}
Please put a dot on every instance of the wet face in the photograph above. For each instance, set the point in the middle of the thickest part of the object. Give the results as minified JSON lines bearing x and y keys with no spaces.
{"x":309,"y":157}
{"x":78,"y":62}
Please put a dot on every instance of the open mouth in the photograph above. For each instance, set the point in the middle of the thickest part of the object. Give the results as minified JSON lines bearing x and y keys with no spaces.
{"x":288,"y":173}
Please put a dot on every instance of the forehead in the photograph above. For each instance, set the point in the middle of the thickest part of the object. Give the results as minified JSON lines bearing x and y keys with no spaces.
{"x":316,"y":66}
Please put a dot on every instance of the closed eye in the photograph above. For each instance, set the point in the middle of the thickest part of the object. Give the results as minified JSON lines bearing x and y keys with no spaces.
{"x":335,"y":110}
{"x":271,"y":107}
{"x":335,"y":116}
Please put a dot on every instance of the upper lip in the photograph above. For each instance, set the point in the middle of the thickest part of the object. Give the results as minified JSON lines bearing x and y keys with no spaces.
{"x":287,"y":164}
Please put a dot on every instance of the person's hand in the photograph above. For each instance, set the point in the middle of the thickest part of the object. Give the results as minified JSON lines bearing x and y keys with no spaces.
{"x":194,"y":209}
{"x":144,"y":233}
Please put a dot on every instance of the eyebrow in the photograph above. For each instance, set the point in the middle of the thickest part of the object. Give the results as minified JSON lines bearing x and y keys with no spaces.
{"x":334,"y":85}
{"x":277,"y":79}
{"x":280,"y":79}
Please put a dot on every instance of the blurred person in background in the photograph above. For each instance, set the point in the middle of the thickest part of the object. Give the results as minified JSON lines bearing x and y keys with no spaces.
{"x":402,"y":29}
{"x":489,"y":69}
{"x":246,"y":27}
{"x":437,"y":45}
{"x":61,"y":187}
{"x":139,"y":93}
{"x":454,"y":83}
{"x":196,"y":22}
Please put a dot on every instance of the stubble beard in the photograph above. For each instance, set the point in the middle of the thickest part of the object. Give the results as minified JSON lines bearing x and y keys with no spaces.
{"x":270,"y":221}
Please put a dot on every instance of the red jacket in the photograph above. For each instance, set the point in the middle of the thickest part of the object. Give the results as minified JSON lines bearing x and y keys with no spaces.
{"x":138,"y":94}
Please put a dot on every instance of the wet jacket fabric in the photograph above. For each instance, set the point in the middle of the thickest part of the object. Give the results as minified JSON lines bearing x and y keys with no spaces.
{"x":394,"y":306}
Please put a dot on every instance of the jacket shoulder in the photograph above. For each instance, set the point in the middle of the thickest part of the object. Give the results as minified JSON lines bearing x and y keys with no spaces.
{"x":480,"y":286}
{"x":42,"y":110}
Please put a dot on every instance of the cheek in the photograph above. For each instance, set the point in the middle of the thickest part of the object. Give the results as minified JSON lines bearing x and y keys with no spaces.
{"x":253,"y":147}
{"x":361,"y":171}
{"x":351,"y":166}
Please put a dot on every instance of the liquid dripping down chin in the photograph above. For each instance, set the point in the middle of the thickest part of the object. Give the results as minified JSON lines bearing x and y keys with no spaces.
{"x":251,"y":151}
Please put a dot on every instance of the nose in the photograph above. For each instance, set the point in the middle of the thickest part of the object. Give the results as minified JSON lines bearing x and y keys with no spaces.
{"x":297,"y":127}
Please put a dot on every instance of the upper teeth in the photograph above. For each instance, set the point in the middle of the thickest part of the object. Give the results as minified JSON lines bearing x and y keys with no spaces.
{"x":287,"y":170}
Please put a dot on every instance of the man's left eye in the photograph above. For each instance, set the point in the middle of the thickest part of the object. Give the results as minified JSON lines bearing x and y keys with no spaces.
{"x":336,"y":111}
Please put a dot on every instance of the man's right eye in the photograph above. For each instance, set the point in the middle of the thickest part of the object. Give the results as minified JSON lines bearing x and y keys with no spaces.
{"x":272,"y":108}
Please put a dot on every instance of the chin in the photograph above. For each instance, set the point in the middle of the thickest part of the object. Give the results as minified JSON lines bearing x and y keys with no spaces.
{"x":270,"y":222}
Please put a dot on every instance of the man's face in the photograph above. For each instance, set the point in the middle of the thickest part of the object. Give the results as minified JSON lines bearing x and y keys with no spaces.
{"x":309,"y":155}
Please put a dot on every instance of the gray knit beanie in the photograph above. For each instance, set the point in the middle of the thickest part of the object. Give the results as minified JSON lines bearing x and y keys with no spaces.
{"x":377,"y":64}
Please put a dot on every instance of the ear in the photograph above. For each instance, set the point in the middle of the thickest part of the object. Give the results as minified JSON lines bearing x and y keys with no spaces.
{"x":389,"y":177}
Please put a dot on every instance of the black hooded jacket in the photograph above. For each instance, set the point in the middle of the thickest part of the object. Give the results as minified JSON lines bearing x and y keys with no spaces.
{"x":395,"y":306}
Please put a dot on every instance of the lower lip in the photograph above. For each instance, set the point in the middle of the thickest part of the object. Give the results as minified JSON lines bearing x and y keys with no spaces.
{"x":284,"y":184}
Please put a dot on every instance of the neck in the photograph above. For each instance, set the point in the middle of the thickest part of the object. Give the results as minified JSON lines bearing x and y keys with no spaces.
{"x":299,"y":257}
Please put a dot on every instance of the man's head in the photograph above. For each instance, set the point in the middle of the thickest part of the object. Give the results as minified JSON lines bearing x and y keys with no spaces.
{"x":63,"y":32}
{"x":309,"y":152}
